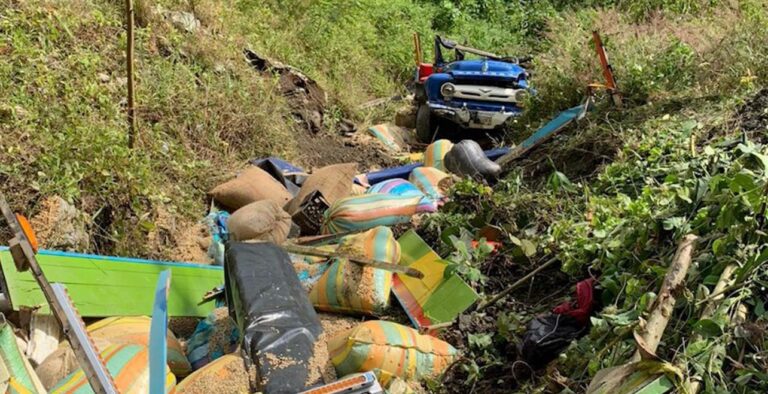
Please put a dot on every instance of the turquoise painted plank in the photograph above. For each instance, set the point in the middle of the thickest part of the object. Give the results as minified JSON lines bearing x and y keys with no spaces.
{"x":102,"y":286}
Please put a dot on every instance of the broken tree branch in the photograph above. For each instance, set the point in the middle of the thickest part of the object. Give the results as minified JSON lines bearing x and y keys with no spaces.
{"x":310,"y":251}
{"x":665,"y":302}
{"x":517,"y":284}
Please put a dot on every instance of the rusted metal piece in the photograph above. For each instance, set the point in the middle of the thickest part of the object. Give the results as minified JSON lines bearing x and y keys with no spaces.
{"x":610,"y":80}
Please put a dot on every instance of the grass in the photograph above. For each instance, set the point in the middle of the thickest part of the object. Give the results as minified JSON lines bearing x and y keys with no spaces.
{"x":684,"y":73}
{"x":683,"y":66}
{"x":201,"y":110}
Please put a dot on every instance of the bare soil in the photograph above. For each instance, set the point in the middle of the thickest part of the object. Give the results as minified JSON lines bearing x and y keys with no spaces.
{"x":324,"y":148}
{"x":753,"y":117}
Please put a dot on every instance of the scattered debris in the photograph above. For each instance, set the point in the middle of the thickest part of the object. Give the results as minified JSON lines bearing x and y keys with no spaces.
{"x":438,"y":298}
{"x":183,"y":20}
{"x":468,"y":160}
{"x":16,"y":372}
{"x":304,"y":95}
{"x":215,"y":336}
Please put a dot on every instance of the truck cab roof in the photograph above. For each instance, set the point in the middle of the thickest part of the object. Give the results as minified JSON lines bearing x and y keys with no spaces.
{"x":484,"y":68}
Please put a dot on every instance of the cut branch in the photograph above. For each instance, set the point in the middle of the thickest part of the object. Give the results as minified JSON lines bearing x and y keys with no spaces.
{"x":665,"y":302}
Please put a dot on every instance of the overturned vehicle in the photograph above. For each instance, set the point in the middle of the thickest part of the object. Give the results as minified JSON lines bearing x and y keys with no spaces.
{"x":481,"y":94}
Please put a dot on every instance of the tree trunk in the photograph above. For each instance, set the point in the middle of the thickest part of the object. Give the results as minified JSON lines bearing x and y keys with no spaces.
{"x":665,"y":302}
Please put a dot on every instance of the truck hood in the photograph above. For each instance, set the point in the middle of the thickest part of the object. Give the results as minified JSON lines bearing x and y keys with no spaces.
{"x":484,"y":68}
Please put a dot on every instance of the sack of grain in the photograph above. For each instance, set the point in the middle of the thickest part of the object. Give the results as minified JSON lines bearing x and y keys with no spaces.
{"x":390,"y":350}
{"x":350,"y":288}
{"x":16,"y":372}
{"x":129,"y":367}
{"x":62,"y":362}
{"x":214,"y":337}
{"x":134,"y":330}
{"x":401,"y":187}
{"x":357,"y":190}
{"x":253,"y":184}
{"x":333,"y":182}
{"x":431,"y":181}
{"x":435,"y":154}
{"x":262,"y":220}
{"x":357,"y":213}
{"x":225,"y":375}
{"x":310,"y":269}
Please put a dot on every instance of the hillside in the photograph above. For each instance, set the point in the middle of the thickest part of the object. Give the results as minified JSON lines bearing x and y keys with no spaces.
{"x":610,"y":199}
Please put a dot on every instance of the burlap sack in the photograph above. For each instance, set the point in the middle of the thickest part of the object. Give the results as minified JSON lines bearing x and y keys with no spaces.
{"x":62,"y":362}
{"x":253,"y":184}
{"x":262,"y":220}
{"x":334,"y":182}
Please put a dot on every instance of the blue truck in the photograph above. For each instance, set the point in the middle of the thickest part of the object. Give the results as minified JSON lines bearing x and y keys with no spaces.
{"x":482,"y":94}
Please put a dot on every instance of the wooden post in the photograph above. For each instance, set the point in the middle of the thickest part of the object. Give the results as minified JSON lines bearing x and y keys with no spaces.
{"x":665,"y":302}
{"x":129,"y":13}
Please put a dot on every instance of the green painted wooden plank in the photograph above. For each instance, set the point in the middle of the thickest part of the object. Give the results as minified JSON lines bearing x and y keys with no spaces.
{"x":102,"y":286}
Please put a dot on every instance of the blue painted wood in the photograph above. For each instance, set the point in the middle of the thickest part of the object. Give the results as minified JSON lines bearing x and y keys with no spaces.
{"x":158,"y":348}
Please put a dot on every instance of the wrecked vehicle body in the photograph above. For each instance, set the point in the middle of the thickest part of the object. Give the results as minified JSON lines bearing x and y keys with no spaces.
{"x":475,"y":94}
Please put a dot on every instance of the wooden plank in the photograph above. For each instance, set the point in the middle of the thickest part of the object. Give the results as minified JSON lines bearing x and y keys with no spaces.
{"x":102,"y":286}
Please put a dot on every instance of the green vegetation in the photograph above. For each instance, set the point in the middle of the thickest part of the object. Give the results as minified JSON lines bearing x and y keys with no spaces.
{"x":616,"y":195}
{"x":612,"y":199}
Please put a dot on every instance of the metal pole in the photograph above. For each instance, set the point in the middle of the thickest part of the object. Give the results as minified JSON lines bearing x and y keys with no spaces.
{"x":129,"y":55}
{"x":610,"y":80}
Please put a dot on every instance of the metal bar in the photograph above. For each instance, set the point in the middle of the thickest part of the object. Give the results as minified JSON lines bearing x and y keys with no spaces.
{"x":98,"y":375}
{"x":158,"y":349}
{"x":477,"y":52}
{"x":71,"y":323}
{"x":610,"y":80}
{"x":552,"y":128}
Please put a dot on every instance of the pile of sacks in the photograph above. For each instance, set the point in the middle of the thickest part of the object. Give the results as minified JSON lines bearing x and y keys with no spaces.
{"x":272,"y":201}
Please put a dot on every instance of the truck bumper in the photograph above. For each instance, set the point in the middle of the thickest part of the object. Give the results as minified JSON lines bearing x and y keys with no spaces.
{"x":473,"y":119}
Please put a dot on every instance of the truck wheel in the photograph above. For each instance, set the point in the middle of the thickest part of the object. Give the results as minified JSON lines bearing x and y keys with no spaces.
{"x":425,"y":129}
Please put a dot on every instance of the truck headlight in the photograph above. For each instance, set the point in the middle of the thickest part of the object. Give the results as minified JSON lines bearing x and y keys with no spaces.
{"x":448,"y":90}
{"x":521,"y":95}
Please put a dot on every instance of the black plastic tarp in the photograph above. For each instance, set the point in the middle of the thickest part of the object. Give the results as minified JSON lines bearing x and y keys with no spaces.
{"x":467,"y":158}
{"x":273,"y":312}
{"x":547,"y":336}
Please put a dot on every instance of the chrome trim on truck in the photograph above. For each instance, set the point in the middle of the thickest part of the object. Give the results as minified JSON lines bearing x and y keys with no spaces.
{"x":486,"y":93}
